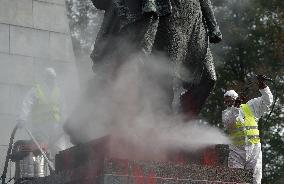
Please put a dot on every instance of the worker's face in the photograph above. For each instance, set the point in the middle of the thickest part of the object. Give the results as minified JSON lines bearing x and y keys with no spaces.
{"x":229,"y":101}
{"x":49,"y":79}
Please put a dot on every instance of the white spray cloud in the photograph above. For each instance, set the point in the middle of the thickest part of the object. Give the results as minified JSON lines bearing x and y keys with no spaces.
{"x":131,"y":105}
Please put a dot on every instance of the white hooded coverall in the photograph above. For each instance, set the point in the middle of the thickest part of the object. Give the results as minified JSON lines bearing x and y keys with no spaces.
{"x":44,"y":131}
{"x":248,"y":156}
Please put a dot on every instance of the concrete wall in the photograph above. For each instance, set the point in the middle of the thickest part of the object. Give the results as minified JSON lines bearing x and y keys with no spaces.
{"x":33,"y":34}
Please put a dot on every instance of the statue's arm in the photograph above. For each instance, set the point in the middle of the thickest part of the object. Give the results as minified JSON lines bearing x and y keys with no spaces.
{"x":211,"y":23}
{"x":208,"y":14}
{"x":101,"y":4}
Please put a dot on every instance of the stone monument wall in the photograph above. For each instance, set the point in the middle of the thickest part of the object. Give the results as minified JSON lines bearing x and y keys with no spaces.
{"x":33,"y":34}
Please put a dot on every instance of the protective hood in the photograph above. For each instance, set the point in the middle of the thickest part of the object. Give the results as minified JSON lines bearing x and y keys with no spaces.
{"x":232,"y":94}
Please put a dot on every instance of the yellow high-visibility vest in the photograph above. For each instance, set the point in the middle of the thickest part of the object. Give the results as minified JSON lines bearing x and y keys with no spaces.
{"x":247,"y":130}
{"x":46,"y":109}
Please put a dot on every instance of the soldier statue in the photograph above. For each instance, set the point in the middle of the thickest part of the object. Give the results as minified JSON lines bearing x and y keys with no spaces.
{"x":181,"y":29}
{"x":178,"y":30}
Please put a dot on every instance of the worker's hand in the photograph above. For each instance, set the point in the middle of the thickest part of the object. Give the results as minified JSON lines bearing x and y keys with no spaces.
{"x":238,"y":102}
{"x":261,"y":81}
{"x":215,"y":35}
{"x":242,"y":99}
{"x":20,"y":123}
{"x":261,"y":78}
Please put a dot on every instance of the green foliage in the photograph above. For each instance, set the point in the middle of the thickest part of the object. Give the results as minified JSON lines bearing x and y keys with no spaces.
{"x":84,"y":21}
{"x":253,"y":44}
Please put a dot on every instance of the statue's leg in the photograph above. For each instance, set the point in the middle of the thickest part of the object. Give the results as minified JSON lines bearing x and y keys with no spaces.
{"x":200,"y":76}
{"x":196,"y":95}
{"x":182,"y":38}
{"x":161,"y":48}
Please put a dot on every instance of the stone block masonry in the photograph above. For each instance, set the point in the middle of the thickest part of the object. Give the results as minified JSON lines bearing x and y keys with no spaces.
{"x":33,"y":34}
{"x":91,"y":163}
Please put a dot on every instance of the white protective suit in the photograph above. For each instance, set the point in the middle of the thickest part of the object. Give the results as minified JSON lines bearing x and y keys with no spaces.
{"x":50,"y":133}
{"x":248,"y":156}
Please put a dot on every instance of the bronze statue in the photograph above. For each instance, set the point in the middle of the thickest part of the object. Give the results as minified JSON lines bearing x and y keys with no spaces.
{"x":181,"y":29}
{"x":145,"y":29}
{"x":184,"y":35}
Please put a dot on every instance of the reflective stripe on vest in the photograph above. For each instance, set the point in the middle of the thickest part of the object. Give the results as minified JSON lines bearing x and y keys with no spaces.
{"x":46,"y":110}
{"x":247,"y":130}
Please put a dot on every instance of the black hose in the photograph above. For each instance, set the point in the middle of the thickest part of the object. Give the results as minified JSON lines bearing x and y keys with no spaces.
{"x":10,"y":180}
{"x":3,"y":176}
{"x":274,"y":101}
{"x":264,"y":121}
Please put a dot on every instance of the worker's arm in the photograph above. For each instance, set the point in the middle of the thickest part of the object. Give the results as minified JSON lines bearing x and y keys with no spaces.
{"x":28,"y":102}
{"x":261,"y":104}
{"x":229,"y":117}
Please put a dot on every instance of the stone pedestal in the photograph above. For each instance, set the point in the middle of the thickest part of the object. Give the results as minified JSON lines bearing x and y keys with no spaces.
{"x":91,"y":164}
{"x":121,"y":171}
{"x":115,"y":147}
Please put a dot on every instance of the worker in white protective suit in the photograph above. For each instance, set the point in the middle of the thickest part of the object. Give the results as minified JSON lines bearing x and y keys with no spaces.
{"x":42,"y":112}
{"x":241,"y":122}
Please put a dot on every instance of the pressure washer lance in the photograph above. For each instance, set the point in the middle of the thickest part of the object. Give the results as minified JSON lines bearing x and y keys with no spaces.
{"x":42,"y":152}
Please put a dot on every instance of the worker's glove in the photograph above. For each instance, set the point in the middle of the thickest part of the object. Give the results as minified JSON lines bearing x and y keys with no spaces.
{"x":20,"y":123}
{"x":215,"y":35}
{"x":261,"y":78}
{"x":261,"y":81}
{"x":240,"y":100}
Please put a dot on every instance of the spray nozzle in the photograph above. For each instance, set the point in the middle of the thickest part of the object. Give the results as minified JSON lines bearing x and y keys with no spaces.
{"x":258,"y":77}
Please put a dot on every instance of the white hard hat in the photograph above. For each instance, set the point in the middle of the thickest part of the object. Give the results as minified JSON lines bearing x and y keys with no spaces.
{"x":232,"y":94}
{"x":50,"y":71}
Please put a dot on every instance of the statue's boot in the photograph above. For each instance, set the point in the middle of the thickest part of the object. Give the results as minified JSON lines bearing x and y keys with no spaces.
{"x":195,"y":97}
